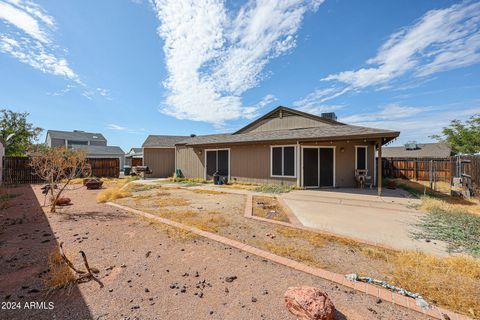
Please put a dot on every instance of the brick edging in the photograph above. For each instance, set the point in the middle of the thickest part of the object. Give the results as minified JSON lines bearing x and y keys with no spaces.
{"x":384,"y":294}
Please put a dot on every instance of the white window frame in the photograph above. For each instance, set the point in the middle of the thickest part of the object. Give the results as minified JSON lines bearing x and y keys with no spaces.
{"x":205,"y":161}
{"x":294,"y":161}
{"x":366,"y":156}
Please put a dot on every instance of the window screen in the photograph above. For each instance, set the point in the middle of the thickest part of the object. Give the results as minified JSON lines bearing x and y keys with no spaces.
{"x":361,"y":158}
{"x":283,"y":161}
{"x":277,"y":161}
{"x":289,"y":161}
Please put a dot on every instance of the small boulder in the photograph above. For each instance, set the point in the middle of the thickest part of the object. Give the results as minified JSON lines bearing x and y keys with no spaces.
{"x":93,"y":184}
{"x":309,"y":303}
{"x":63,"y":201}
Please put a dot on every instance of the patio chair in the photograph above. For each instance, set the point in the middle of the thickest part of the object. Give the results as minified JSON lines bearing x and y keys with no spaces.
{"x":362,"y":178}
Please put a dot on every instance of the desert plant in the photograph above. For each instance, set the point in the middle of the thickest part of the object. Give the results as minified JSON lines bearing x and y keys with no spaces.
{"x":58,"y":166}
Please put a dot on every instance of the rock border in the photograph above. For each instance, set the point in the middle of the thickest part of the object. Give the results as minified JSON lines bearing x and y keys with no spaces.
{"x":386,"y":295}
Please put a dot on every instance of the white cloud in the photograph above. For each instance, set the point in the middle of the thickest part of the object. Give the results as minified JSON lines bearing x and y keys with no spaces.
{"x":414,"y":123}
{"x":113,"y":126}
{"x":26,"y":37}
{"x":319,"y":109}
{"x":389,"y":112}
{"x":319,"y":96}
{"x":441,"y":40}
{"x":213,"y":56}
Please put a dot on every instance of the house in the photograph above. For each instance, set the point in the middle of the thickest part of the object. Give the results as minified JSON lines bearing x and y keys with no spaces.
{"x":284,"y":146}
{"x":56,"y":138}
{"x":134,"y":157}
{"x":98,"y":152}
{"x":439,"y":150}
{"x":94,"y":144}
{"x":159,"y":154}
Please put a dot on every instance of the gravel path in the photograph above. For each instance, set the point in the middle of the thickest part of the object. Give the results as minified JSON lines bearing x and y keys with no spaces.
{"x":148,"y":273}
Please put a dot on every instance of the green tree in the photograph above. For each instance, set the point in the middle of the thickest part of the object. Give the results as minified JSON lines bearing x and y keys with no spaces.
{"x":463,"y":137}
{"x":17,"y":132}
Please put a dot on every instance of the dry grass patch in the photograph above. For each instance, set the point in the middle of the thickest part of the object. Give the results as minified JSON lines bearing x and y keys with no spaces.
{"x":453,"y":282}
{"x":113,"y":193}
{"x":172,"y":232}
{"x":206,"y":191}
{"x":317,"y":240}
{"x":269,"y":208}
{"x":171,"y":202}
{"x":290,"y":251}
{"x":206,"y":221}
{"x":60,"y":275}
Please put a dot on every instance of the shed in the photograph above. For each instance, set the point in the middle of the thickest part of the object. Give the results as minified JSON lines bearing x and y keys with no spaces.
{"x":99,"y":152}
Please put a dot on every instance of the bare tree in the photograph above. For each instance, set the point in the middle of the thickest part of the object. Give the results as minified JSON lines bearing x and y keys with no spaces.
{"x":58,"y":166}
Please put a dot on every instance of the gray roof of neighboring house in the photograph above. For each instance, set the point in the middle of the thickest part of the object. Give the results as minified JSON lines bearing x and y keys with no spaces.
{"x":101,"y":150}
{"x":75,"y":135}
{"x":136,"y":151}
{"x":423,"y":150}
{"x":333,"y":132}
{"x":158,"y":141}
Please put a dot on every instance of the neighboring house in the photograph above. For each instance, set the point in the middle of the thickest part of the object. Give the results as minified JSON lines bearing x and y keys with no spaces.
{"x":99,"y":152}
{"x":134,"y":157}
{"x":159,"y":154}
{"x":95,"y":144}
{"x":2,"y":154}
{"x":284,"y":146}
{"x":56,"y":138}
{"x":439,"y":150}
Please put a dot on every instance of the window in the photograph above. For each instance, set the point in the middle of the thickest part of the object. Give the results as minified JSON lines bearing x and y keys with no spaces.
{"x":361,"y":157}
{"x":283,"y":161}
{"x":217,"y":161}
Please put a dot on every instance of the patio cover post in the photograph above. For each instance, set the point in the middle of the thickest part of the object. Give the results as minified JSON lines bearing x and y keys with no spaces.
{"x":379,"y":168}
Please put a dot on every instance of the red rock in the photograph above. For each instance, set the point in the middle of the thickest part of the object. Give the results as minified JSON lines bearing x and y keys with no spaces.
{"x":94,"y":184}
{"x":309,"y":303}
{"x":63,"y":201}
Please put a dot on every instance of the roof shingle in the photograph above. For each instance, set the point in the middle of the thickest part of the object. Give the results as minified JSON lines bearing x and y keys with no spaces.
{"x":333,"y":132}
{"x":159,"y":141}
{"x":423,"y":150}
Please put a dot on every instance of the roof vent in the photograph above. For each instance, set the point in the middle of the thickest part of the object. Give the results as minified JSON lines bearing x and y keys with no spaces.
{"x":329,"y":116}
{"x":411,"y":145}
{"x":78,"y":131}
{"x":193,"y":135}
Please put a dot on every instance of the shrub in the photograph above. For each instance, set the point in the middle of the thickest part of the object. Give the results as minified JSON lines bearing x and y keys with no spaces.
{"x":112,"y":194}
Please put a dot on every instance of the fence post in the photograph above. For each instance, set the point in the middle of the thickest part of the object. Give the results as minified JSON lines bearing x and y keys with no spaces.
{"x":430,"y":174}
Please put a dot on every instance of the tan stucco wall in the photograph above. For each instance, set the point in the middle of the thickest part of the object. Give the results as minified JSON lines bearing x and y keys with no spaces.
{"x":160,"y":160}
{"x":251,"y":163}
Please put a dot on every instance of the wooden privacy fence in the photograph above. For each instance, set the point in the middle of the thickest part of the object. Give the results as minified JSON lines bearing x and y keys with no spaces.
{"x":17,"y":170}
{"x":419,"y":168}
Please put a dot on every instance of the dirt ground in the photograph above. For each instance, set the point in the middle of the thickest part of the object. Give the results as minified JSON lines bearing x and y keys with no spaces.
{"x":148,"y":272}
{"x":269,"y":208}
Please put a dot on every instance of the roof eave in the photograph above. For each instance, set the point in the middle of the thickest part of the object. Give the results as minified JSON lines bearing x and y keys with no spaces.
{"x":387,"y":137}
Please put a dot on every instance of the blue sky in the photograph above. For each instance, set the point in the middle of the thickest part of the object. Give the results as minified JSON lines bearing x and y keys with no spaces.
{"x":132,"y":68}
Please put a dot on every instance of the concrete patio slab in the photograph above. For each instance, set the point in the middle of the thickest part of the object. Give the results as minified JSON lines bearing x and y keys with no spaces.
{"x":388,"y":220}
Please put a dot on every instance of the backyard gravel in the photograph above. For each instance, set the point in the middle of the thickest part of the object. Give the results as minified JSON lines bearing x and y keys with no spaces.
{"x":147,"y":273}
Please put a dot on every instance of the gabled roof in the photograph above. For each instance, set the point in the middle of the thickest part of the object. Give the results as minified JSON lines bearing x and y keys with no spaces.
{"x":135,"y":152}
{"x":75,"y":135}
{"x":289,"y":111}
{"x":325,"y":133}
{"x":159,"y":141}
{"x":100,"y":150}
{"x":423,"y":150}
